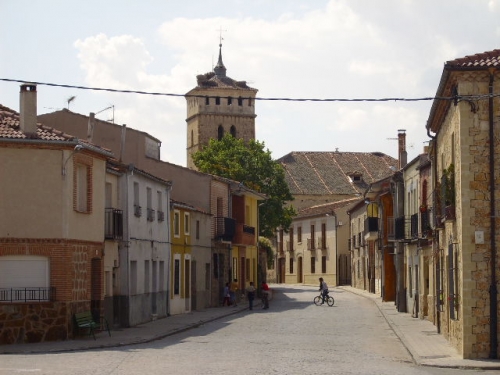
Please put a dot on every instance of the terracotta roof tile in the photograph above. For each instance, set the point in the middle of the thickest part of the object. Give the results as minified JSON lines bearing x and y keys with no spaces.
{"x":9,"y":128}
{"x":326,"y":173}
{"x":479,"y":60}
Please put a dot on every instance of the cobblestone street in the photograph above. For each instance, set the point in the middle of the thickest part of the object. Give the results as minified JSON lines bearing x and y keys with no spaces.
{"x":293,"y":337}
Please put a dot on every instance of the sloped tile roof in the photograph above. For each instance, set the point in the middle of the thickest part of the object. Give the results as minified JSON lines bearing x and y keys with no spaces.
{"x":322,"y":209}
{"x":479,"y":60}
{"x":327,"y":173}
{"x":9,"y":128}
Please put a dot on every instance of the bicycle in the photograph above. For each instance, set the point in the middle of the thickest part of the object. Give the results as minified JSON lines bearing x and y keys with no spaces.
{"x":318,"y":300}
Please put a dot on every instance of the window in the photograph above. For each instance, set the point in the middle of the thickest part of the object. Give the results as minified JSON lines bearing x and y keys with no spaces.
{"x":232,"y":130}
{"x":247,"y":269}
{"x":240,"y":101}
{"x":83,"y":188}
{"x":197,"y":229}
{"x":207,"y":276}
{"x":133,"y":277}
{"x":177,"y":223}
{"x":177,"y":276}
{"x":217,"y":100}
{"x":146,"y":276}
{"x":299,"y":234}
{"x":313,"y":265}
{"x":108,"y":195}
{"x":291,"y":265}
{"x":186,"y":223}
{"x":323,"y":236}
{"x":162,"y":276}
{"x":149,"y":207}
{"x":207,"y":100}
{"x":137,"y":206}
{"x":159,"y":200}
{"x":24,"y":278}
{"x":290,"y":233}
{"x":229,"y":100}
{"x":220,"y":132}
{"x":313,"y":237}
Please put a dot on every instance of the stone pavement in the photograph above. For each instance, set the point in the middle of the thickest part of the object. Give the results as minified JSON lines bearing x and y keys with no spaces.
{"x":426,"y":346}
{"x":420,"y":337}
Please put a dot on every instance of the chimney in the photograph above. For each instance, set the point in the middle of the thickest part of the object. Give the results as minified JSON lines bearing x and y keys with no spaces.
{"x":402,"y":155}
{"x":90,"y":127}
{"x":27,"y":109}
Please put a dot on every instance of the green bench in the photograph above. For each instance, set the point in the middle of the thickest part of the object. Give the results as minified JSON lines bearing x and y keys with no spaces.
{"x":85,"y":320}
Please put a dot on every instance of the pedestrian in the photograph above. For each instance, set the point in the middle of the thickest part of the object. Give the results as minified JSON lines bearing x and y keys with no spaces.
{"x":232,"y":291}
{"x":323,"y":288}
{"x":265,"y":294}
{"x":226,"y":295}
{"x":250,"y":295}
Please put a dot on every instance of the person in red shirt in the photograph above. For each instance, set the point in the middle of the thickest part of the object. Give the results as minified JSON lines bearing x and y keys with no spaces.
{"x":265,"y":294}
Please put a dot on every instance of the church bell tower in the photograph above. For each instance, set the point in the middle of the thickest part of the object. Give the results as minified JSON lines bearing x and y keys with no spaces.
{"x":216,"y":106}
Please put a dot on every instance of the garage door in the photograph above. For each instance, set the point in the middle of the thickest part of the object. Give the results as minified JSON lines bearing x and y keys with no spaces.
{"x":24,"y":278}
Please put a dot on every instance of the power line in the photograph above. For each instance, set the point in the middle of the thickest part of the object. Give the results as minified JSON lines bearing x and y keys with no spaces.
{"x":139,"y":92}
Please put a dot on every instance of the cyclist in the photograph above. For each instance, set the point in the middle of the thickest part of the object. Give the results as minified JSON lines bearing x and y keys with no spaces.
{"x":323,"y":288}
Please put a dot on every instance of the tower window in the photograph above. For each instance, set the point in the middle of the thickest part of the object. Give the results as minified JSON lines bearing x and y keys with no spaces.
{"x":229,"y":100}
{"x":217,"y":100}
{"x":207,"y":100}
{"x":233,"y":131}
{"x":220,"y":132}
{"x":240,"y":101}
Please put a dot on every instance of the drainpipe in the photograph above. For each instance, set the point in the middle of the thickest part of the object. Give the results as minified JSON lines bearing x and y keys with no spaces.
{"x":493,"y":261}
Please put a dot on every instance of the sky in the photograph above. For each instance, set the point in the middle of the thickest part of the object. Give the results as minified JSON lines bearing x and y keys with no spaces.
{"x":321,"y":49}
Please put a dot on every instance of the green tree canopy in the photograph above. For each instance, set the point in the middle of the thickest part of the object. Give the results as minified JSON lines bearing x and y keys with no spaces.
{"x":252,"y":165}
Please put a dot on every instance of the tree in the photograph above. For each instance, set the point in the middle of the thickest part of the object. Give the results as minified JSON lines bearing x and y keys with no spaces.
{"x":252,"y":165}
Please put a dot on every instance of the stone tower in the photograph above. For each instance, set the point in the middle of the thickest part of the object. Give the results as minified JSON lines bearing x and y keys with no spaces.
{"x":216,"y":106}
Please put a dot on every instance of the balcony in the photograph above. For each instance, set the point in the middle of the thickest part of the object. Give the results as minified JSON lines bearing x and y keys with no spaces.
{"x":322,"y":243}
{"x":27,"y":294}
{"x":161,"y":216}
{"x":414,"y":226}
{"x":224,"y":228}
{"x":244,"y":235}
{"x":137,"y":210}
{"x":311,"y":244}
{"x":113,"y":224}
{"x":371,"y":228}
{"x":151,"y":214}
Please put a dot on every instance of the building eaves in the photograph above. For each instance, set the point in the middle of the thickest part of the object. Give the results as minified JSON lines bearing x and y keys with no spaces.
{"x":477,"y":62}
{"x":324,"y":209}
{"x":186,"y":206}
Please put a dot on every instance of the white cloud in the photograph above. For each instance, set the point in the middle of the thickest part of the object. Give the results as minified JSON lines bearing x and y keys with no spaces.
{"x":346,"y":49}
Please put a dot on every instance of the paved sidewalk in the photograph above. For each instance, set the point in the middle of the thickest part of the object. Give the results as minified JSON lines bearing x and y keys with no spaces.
{"x":420,"y":337}
{"x":426,"y":346}
{"x":140,"y":334}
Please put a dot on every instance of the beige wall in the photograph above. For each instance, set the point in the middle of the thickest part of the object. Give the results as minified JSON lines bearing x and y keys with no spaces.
{"x":42,"y":198}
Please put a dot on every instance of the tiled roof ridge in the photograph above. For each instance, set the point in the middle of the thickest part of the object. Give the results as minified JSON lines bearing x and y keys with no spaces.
{"x":483,"y":59}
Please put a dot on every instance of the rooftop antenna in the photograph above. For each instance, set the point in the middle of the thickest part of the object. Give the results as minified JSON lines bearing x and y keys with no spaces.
{"x":70,"y":99}
{"x":112,"y":120}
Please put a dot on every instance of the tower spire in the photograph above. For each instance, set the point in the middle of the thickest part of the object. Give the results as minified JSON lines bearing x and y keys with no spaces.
{"x":220,"y":69}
